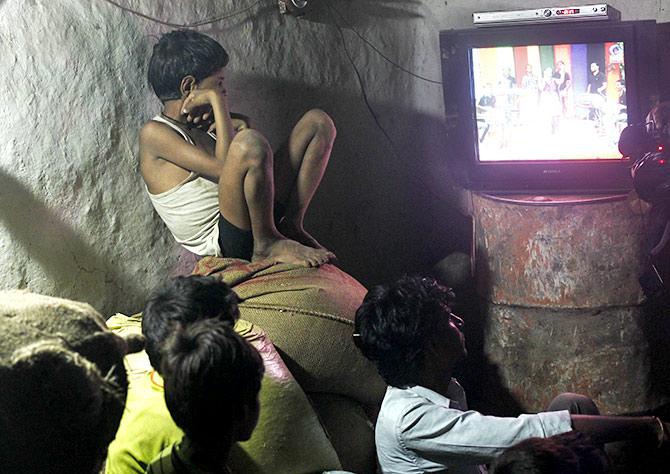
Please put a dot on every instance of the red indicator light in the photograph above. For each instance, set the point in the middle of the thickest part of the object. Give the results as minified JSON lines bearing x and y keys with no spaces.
{"x":662,"y":162}
{"x":567,"y":11}
{"x":660,"y":147}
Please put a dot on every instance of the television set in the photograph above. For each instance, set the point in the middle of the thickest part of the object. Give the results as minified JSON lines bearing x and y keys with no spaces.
{"x":539,"y":108}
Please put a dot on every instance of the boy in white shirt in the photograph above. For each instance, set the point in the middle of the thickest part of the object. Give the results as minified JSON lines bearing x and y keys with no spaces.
{"x":408,"y":330}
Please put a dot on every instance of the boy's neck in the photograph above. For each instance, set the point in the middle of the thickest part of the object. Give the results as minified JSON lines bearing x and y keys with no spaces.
{"x":196,"y":456}
{"x":436,"y":379}
{"x":173,"y":111}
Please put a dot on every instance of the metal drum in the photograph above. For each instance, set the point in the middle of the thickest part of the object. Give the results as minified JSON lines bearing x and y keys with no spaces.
{"x":559,"y":276}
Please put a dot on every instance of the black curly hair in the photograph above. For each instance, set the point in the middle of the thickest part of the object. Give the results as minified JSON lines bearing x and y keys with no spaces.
{"x":181,"y":301}
{"x":393,"y":323}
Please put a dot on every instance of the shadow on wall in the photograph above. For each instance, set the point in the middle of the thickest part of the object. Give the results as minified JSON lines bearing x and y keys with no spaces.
{"x":657,"y":330}
{"x":481,"y":377}
{"x":70,"y":262}
{"x":383,"y":210}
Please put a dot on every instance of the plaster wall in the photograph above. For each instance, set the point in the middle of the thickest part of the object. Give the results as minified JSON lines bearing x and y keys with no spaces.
{"x":74,"y":218}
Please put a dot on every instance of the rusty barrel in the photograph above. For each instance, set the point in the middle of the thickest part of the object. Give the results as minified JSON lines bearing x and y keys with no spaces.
{"x":559,"y":277}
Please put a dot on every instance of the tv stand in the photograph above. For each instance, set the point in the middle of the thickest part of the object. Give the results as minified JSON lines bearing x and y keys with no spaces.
{"x":549,"y":199}
{"x":559,"y":280}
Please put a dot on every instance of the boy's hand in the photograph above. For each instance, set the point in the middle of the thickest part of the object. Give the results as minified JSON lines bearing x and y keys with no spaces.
{"x":240,"y":122}
{"x":198,"y":106}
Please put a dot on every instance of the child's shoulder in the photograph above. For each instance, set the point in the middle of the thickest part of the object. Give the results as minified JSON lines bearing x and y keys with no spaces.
{"x":152,"y":129}
{"x":154,"y":133}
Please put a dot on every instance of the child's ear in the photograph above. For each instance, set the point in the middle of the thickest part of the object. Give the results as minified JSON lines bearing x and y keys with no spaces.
{"x":188,"y":83}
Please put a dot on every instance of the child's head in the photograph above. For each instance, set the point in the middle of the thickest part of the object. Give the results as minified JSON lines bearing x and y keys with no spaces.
{"x":63,"y":384}
{"x":397,"y":324}
{"x":212,"y":377}
{"x":179,"y":54}
{"x":181,"y":301}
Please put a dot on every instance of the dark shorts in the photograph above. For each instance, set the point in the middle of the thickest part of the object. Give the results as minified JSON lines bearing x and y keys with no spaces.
{"x":233,"y":241}
{"x":239,"y":243}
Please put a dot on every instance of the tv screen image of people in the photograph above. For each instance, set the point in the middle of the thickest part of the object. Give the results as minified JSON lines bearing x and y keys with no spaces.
{"x":549,"y":102}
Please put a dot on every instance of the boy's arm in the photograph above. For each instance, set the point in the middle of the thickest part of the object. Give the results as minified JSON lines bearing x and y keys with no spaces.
{"x":159,"y":141}
{"x":240,"y":121}
{"x":604,"y":429}
{"x":219,"y":103}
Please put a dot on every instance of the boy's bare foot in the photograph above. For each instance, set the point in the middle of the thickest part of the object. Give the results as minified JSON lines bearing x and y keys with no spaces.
{"x":298,"y":234}
{"x":283,"y":250}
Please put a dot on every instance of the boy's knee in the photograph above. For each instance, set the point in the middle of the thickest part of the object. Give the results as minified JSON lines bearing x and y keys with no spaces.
{"x":321,"y":121}
{"x":575,"y":403}
{"x":250,"y":145}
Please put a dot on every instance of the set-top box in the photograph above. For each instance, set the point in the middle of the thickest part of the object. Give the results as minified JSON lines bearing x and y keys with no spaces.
{"x":600,"y":11}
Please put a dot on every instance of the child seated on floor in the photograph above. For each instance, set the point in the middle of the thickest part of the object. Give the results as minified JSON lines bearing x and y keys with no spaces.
{"x":212,"y":378}
{"x":424,"y":425}
{"x":225,"y":193}
{"x":147,"y":426}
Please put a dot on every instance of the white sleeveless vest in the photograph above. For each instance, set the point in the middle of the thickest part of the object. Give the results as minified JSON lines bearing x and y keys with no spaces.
{"x":190,"y":210}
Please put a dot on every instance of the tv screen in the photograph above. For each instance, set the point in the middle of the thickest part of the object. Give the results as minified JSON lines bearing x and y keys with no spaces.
{"x":550,"y":102}
{"x":541,"y":107}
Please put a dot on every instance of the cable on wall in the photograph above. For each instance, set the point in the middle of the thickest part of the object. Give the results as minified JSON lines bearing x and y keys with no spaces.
{"x":362,"y":85}
{"x":375,"y":49}
{"x":393,"y":146}
{"x":184,"y":25}
{"x":196,"y":24}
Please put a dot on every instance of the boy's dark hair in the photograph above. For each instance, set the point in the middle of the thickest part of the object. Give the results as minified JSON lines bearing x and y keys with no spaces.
{"x":567,"y":453}
{"x":211,"y":374}
{"x":58,"y":412}
{"x":181,"y":301}
{"x":181,"y":53}
{"x":392,"y":325}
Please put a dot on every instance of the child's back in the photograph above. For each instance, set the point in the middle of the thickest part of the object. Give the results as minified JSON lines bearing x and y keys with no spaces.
{"x":212,"y":377}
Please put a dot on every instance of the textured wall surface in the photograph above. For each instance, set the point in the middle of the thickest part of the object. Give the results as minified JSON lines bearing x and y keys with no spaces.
{"x":74,"y":220}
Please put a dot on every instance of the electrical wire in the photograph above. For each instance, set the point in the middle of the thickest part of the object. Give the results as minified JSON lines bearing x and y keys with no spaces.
{"x":362,"y":86}
{"x":375,"y":49}
{"x":344,"y":45}
{"x":393,"y":146}
{"x":184,"y":25}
